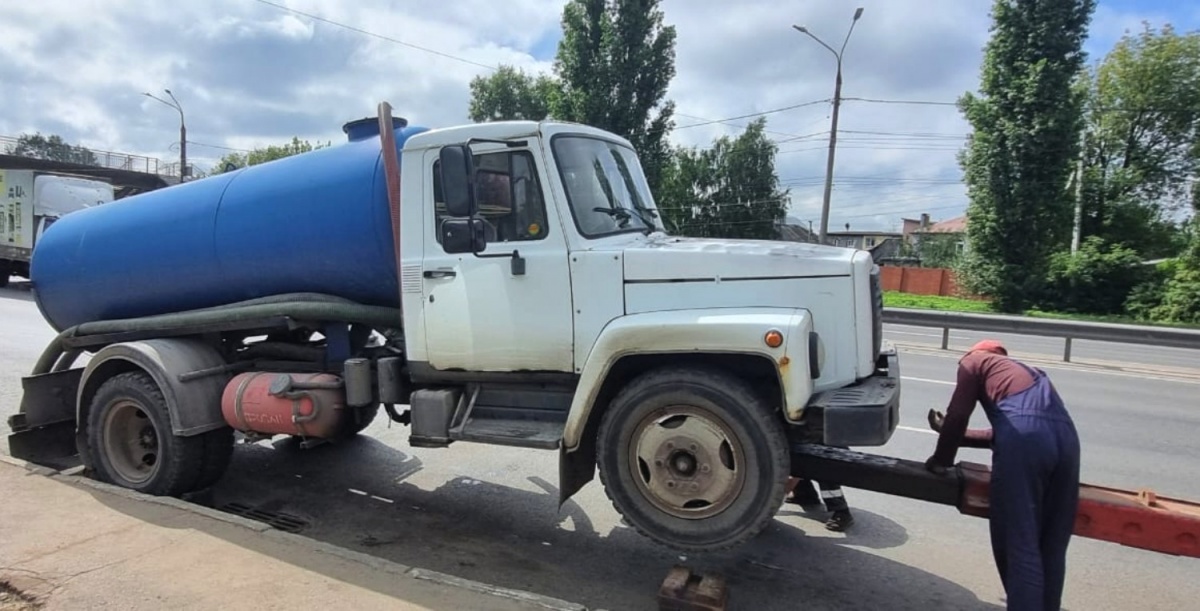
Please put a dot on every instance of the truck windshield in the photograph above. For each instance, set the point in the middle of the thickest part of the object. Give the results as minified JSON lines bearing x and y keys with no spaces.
{"x":605,"y":186}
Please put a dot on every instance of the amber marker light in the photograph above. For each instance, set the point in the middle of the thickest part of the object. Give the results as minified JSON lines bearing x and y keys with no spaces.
{"x":773,"y":338}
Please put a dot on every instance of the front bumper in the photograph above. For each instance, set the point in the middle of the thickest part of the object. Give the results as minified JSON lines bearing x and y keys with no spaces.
{"x":865,"y":413}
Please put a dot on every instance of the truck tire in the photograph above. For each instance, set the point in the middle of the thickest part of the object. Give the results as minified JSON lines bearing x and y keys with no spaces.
{"x":693,"y":459}
{"x":130,"y":439}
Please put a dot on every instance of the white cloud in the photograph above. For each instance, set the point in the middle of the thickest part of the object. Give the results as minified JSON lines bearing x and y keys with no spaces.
{"x":250,"y":74}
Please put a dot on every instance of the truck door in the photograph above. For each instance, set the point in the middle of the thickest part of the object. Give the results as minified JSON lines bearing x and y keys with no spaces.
{"x":479,"y":315}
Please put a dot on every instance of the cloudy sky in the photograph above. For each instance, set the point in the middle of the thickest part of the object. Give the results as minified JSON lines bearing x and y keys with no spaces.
{"x":256,"y":72}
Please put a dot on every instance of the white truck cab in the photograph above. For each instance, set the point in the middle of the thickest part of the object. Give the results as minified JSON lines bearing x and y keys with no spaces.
{"x":537,"y":260}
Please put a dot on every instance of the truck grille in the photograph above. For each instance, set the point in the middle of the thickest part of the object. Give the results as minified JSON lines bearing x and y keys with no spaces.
{"x":876,"y":312}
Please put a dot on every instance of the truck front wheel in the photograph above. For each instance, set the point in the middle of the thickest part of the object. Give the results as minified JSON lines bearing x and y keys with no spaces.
{"x":693,"y":459}
{"x":132,"y":446}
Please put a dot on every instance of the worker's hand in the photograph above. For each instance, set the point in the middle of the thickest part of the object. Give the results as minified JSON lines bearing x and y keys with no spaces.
{"x":933,"y":466}
{"x":936,"y":419}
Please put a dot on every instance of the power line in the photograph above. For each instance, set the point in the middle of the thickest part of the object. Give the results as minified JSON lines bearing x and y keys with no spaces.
{"x":753,"y":114}
{"x":912,"y":102}
{"x":373,"y":34}
{"x":464,"y":60}
{"x":789,"y":136}
{"x":907,"y":134}
{"x":1097,"y":109}
{"x":217,"y":146}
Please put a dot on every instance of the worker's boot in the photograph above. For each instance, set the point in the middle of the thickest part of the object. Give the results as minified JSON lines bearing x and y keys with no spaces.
{"x":839,"y":521}
{"x":805,"y":496}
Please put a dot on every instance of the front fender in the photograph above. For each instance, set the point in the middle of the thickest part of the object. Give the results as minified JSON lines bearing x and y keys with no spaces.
{"x":714,"y":331}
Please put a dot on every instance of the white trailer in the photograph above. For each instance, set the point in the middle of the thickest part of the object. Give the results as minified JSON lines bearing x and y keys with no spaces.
{"x":30,"y":201}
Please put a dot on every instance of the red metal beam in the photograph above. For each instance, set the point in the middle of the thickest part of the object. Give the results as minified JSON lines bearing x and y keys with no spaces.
{"x":1139,"y":519}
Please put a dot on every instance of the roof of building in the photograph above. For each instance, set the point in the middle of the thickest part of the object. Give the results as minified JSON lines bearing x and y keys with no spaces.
{"x":954,"y":225}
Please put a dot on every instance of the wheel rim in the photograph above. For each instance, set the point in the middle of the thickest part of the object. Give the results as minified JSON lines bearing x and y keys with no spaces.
{"x":131,"y":442}
{"x":687,"y":462}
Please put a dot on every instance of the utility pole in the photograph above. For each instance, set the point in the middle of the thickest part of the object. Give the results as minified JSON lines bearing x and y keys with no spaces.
{"x":837,"y":102}
{"x":182,"y":131}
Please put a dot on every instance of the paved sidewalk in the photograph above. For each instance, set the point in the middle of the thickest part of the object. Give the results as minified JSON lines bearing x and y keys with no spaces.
{"x":71,"y":543}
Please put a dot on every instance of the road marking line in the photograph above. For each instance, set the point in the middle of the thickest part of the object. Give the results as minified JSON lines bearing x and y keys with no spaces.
{"x":912,"y":379}
{"x":914,"y":429}
{"x":915,"y":333}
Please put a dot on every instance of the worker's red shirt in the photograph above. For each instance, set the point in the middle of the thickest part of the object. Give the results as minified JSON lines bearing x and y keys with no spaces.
{"x":986,"y":378}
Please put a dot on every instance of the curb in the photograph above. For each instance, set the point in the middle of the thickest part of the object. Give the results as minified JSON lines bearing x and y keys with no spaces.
{"x":72,"y":477}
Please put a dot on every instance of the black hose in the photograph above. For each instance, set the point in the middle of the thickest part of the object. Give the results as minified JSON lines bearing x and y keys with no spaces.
{"x":67,"y":359}
{"x":405,"y":418}
{"x":298,"y":306}
{"x":282,"y":350}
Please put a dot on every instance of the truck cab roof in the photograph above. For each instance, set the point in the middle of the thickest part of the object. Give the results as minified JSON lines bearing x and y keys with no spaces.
{"x":503,"y":130}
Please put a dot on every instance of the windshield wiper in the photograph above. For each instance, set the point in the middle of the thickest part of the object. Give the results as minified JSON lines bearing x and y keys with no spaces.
{"x":645,"y":215}
{"x":620,"y":214}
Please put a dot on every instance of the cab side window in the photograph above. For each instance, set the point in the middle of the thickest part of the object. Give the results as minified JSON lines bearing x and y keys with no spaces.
{"x":511,"y":202}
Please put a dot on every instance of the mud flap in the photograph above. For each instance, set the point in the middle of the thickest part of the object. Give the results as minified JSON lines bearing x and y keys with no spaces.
{"x":575,"y":469}
{"x":43,"y":431}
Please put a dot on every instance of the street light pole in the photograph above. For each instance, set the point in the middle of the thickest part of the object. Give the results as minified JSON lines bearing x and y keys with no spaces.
{"x":833,"y":129}
{"x":182,"y":131}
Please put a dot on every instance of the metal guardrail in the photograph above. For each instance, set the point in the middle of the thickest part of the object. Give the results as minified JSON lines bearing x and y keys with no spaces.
{"x":108,"y":159}
{"x":1068,"y":330}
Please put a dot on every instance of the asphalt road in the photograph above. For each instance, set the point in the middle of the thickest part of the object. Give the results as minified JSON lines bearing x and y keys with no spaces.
{"x":491,"y":513}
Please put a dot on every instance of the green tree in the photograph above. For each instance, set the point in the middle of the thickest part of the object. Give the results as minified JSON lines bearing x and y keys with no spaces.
{"x":1096,"y":280}
{"x":939,"y":250}
{"x":510,"y":94}
{"x":53,"y":148}
{"x":614,"y":63}
{"x":1141,"y":132}
{"x":233,"y":161}
{"x":729,"y":191}
{"x":1026,"y":122}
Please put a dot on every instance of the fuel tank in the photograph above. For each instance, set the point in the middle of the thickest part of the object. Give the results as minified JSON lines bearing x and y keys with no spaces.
{"x":304,"y":404}
{"x":314,"y":222}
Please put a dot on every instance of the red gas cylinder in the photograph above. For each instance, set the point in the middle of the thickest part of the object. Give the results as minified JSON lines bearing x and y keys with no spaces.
{"x":304,"y":404}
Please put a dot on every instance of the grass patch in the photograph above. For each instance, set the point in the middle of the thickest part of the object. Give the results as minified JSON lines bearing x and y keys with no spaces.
{"x":896,"y":299}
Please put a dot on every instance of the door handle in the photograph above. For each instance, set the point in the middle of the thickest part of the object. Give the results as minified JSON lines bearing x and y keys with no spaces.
{"x":439,"y":273}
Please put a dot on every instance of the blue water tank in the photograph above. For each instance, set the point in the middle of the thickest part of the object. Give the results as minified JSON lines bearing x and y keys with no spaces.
{"x":314,"y":222}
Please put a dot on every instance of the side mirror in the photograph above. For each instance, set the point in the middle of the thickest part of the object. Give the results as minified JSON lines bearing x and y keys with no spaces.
{"x":458,"y":180}
{"x":463,"y":235}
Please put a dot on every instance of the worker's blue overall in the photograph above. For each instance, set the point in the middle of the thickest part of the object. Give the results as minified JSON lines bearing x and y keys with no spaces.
{"x":1034,"y":493}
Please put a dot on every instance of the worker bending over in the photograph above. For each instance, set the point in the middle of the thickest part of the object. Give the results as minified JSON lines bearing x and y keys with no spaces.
{"x":1034,"y":491}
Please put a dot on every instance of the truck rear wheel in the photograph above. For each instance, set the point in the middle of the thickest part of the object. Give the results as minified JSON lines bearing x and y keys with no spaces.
{"x":693,"y":459}
{"x":130,"y":439}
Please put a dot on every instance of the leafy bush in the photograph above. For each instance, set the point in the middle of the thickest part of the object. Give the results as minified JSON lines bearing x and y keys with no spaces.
{"x":1147,"y":296}
{"x":1096,"y":280}
{"x":1180,"y":301}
